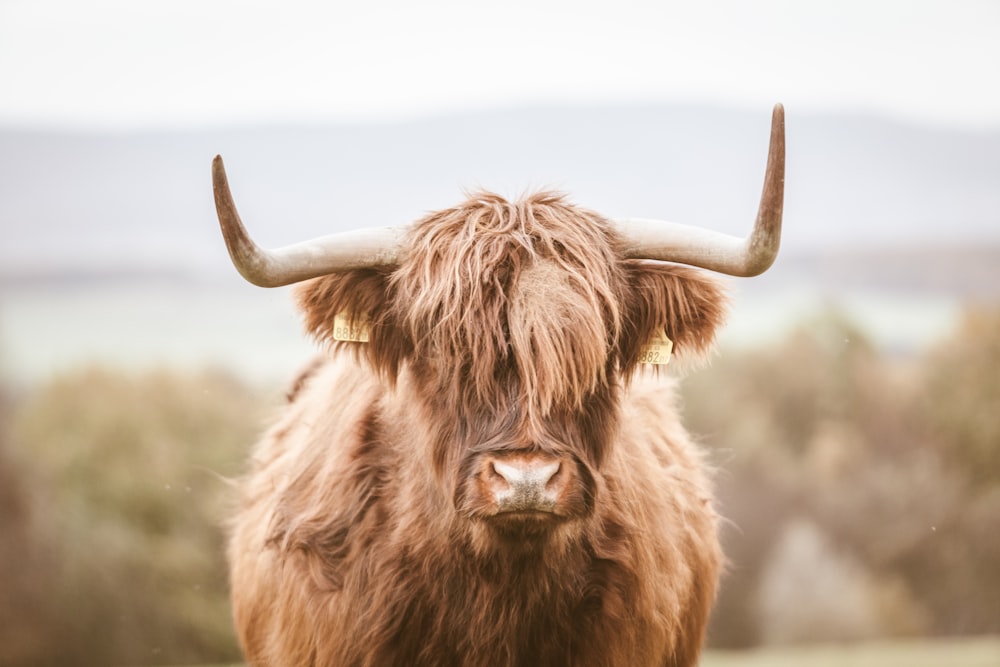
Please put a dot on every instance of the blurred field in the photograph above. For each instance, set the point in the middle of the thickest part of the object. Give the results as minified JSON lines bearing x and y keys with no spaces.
{"x":977,"y":652}
{"x":983,"y":652}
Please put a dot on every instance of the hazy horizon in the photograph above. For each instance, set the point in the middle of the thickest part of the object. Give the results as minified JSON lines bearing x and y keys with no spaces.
{"x":103,"y":202}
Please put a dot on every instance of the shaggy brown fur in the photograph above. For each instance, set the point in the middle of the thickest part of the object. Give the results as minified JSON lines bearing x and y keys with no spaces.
{"x":362,"y":537}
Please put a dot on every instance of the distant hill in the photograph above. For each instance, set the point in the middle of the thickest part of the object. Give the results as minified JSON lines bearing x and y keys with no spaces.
{"x":859,"y":190}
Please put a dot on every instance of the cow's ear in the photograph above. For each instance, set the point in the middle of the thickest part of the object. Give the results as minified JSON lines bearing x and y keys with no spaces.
{"x":686,"y":304}
{"x":353,"y":308}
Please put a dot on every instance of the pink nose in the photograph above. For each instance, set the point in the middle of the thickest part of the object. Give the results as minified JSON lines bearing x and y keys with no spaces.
{"x":525,"y":482}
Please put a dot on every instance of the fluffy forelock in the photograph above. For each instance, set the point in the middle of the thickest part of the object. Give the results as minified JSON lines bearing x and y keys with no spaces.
{"x":523,"y":289}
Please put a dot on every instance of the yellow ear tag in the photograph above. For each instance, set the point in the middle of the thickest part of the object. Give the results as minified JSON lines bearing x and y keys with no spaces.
{"x":657,"y":351}
{"x":347,"y":327}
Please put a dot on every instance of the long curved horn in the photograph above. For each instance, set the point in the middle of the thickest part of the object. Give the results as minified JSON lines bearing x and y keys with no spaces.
{"x":377,"y":246}
{"x":745,"y":257}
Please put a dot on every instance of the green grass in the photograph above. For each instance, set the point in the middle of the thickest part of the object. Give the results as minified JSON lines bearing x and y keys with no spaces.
{"x":973,"y":652}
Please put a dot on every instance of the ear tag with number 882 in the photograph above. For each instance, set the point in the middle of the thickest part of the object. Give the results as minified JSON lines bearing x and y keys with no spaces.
{"x":657,"y":351}
{"x":347,"y":327}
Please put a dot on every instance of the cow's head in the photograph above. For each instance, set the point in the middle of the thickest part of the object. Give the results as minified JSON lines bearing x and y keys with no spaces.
{"x":512,"y":328}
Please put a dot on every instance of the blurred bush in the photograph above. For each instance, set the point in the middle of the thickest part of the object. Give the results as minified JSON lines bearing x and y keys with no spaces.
{"x":963,"y":392}
{"x":114,"y":518}
{"x":841,"y":464}
{"x":862,"y":493}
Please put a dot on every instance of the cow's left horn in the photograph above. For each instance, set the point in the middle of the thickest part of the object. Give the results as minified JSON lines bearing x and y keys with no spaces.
{"x":750,"y":256}
{"x":377,"y":246}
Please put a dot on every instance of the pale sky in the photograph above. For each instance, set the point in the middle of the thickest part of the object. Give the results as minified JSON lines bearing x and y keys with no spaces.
{"x":141,"y":64}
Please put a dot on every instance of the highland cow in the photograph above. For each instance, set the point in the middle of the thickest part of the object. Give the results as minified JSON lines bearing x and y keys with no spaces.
{"x":482,"y":470}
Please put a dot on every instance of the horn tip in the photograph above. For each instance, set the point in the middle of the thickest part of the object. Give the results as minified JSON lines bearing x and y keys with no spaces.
{"x":219,"y":178}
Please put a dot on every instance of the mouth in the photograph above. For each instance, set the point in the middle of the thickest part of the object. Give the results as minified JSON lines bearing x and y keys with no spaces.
{"x":524,"y":523}
{"x":527,"y":514}
{"x":534,"y":503}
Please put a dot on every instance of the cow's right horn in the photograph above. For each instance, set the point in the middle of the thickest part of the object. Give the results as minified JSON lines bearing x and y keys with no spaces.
{"x":375,"y":246}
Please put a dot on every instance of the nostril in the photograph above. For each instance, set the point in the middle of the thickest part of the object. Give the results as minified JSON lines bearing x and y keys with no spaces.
{"x":551,"y":479}
{"x":554,"y":477}
{"x":496,"y":475}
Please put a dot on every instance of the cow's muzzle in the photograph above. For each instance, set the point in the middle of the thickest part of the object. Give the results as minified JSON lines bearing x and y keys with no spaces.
{"x":524,"y":483}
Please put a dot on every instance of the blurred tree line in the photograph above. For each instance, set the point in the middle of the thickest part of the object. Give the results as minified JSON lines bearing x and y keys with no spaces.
{"x":113,"y":494}
{"x":861,"y":492}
